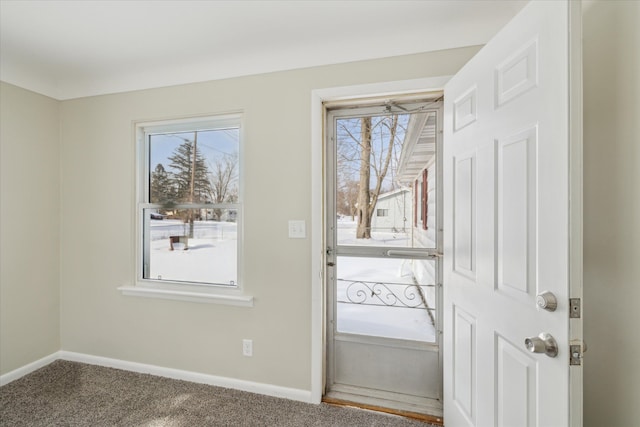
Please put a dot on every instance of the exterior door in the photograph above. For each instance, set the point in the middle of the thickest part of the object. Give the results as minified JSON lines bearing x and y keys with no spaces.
{"x":512,"y":226}
{"x":383,"y":272}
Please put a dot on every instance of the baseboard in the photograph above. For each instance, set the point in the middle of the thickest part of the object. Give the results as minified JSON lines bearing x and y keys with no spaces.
{"x":27,"y":369}
{"x":177,"y":374}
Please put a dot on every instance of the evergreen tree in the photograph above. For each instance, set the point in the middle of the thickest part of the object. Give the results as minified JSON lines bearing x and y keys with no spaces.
{"x":182,"y":162}
{"x":162,"y":188}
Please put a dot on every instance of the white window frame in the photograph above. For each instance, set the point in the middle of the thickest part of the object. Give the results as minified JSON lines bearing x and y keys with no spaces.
{"x":178,"y":290}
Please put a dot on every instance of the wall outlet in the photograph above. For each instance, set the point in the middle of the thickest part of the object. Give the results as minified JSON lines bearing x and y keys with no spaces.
{"x":247,"y":348}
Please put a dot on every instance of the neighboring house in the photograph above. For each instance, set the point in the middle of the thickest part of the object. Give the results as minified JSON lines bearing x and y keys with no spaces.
{"x":393,"y":212}
{"x":417,"y":170}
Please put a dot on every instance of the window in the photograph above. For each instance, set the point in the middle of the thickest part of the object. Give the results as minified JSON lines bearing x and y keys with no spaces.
{"x":189,"y":206}
{"x":382,"y":212}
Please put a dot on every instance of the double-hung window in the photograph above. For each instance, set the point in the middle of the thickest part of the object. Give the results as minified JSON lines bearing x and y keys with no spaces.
{"x":189,"y":207}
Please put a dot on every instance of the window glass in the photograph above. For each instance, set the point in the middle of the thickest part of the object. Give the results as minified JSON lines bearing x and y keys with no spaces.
{"x":190,"y":209}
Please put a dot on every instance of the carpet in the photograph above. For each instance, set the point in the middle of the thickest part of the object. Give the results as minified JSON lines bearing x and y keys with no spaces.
{"x":76,"y":394}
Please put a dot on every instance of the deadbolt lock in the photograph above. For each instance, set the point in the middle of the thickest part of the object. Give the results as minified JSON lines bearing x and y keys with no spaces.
{"x":547,"y":300}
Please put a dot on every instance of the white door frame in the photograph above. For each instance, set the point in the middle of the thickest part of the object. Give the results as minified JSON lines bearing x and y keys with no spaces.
{"x":318,"y":97}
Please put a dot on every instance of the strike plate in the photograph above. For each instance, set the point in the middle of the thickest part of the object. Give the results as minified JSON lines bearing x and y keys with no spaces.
{"x":574,"y":308}
{"x":575,"y":354}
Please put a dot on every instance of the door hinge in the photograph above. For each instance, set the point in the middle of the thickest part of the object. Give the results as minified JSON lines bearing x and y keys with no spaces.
{"x":574,"y":308}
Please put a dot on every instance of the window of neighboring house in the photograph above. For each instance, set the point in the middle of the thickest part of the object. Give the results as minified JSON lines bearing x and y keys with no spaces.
{"x":189,"y":206}
{"x":382,"y":212}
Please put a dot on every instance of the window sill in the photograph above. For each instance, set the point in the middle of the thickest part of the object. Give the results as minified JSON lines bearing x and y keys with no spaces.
{"x":202,"y":297}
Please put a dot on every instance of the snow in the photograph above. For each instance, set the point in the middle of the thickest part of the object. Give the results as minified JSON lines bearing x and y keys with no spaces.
{"x":212,"y":258}
{"x":397,"y":321}
{"x":347,"y":236}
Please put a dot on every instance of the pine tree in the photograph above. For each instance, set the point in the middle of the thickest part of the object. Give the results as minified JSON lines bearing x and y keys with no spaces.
{"x":182,"y":163}
{"x":162,"y":189}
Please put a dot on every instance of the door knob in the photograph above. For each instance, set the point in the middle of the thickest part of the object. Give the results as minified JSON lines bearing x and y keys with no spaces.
{"x":543,"y":343}
{"x":547,"y":300}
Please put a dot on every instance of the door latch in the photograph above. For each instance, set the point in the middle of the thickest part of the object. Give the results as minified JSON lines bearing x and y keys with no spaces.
{"x":577,"y":349}
{"x":329,"y":252}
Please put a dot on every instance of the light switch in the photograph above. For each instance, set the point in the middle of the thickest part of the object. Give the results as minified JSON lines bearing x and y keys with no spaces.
{"x":297,"y":229}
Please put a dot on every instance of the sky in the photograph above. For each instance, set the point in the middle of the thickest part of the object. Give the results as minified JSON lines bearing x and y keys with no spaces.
{"x":212,"y":145}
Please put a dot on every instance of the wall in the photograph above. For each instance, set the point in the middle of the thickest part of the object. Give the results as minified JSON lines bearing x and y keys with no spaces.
{"x":29,"y":225}
{"x":612,"y":212}
{"x":97,"y":159}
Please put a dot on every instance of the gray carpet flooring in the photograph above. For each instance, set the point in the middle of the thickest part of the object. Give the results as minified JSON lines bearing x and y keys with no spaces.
{"x":76,"y":394}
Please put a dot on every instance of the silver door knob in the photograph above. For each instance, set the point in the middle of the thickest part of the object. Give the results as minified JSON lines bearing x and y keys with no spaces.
{"x":543,"y":343}
{"x":547,"y":300}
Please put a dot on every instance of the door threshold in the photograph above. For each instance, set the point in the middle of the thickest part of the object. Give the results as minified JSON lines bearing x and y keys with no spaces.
{"x":426,"y":413}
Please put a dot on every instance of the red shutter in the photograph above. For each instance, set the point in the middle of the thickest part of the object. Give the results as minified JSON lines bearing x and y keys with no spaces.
{"x":415,"y":203}
{"x":425,"y":198}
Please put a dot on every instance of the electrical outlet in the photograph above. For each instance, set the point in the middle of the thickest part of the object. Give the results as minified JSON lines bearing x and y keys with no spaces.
{"x":247,"y":348}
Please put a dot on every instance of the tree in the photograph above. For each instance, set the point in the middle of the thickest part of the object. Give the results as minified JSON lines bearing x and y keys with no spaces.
{"x":347,"y":197}
{"x":224,"y":182}
{"x":366,"y":148}
{"x":162,"y":189}
{"x":190,"y":178}
{"x":191,"y":183}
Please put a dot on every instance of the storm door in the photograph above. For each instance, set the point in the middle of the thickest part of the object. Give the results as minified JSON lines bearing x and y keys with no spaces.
{"x":383,"y":269}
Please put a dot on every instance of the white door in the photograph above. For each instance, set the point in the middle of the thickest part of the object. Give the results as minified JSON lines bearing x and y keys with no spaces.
{"x":510,"y":213}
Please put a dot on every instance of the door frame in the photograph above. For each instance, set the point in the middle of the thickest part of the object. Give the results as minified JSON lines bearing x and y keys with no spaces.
{"x":335,"y":388}
{"x":317,"y":232}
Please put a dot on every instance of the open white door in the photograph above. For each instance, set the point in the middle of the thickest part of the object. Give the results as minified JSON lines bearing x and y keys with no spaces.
{"x":512,"y":221}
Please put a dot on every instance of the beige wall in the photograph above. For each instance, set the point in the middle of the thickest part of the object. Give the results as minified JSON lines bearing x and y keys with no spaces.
{"x":612,"y":212}
{"x":97,"y":159}
{"x":29,"y":225}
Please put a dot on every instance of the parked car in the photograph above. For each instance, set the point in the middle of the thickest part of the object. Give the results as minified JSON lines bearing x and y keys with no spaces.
{"x":155,"y":215}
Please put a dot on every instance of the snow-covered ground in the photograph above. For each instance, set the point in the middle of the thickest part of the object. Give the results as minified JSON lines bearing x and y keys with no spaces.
{"x":212,"y":258}
{"x":397,"y":321}
{"x":392,"y":282}
{"x":347,"y":236}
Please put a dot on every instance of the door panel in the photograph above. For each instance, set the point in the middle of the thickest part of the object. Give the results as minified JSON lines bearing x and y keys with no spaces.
{"x":516,"y":385}
{"x":396,"y":368}
{"x":464,"y":229}
{"x":506,"y":222}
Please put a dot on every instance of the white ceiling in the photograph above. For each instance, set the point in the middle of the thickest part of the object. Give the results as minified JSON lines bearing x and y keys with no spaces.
{"x":70,"y":49}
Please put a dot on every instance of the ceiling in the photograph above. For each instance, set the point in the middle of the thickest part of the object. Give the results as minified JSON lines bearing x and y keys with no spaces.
{"x":71,"y":49}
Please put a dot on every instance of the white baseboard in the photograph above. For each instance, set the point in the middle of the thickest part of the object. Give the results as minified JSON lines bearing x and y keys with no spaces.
{"x":178,"y":374}
{"x":250,"y":386}
{"x":27,"y":369}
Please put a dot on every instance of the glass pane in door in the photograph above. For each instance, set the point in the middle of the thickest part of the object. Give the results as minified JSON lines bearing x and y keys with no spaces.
{"x":386,"y":297}
{"x":386,"y":180}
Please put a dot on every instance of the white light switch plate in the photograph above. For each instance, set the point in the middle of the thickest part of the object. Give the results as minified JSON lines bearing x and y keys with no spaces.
{"x":297,"y":229}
